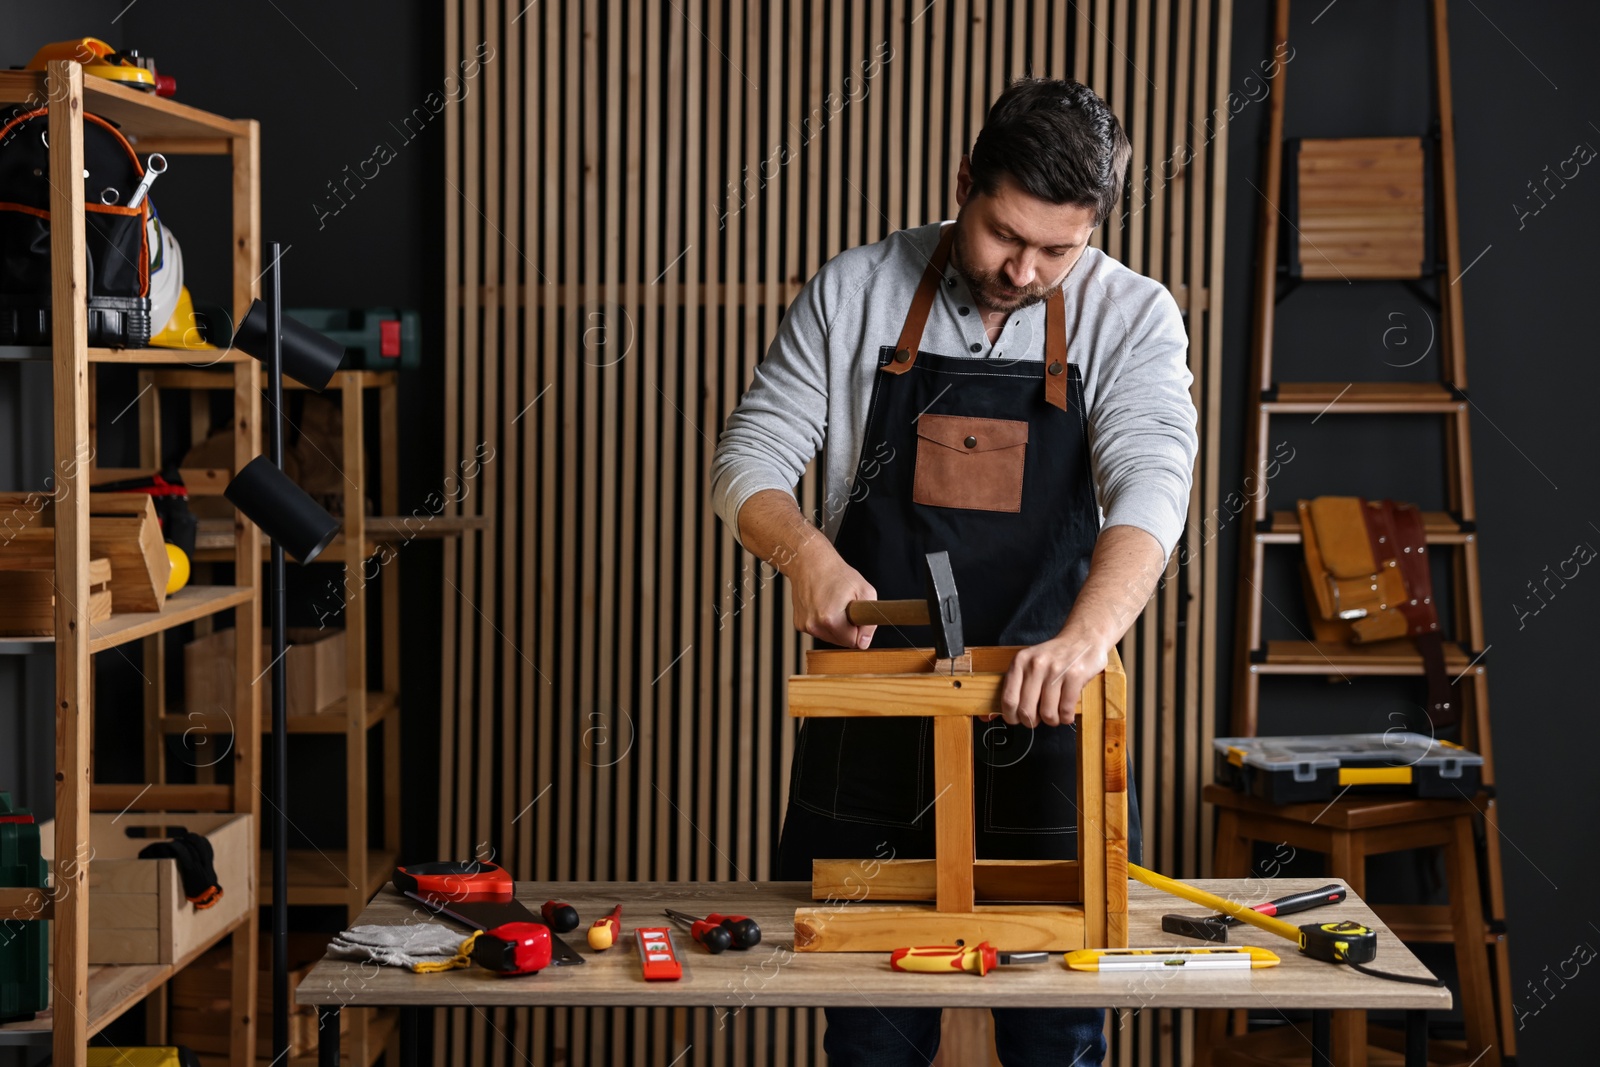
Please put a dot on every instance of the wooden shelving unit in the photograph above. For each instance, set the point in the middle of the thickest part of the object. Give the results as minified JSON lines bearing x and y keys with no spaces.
{"x":84,"y":998}
{"x":350,"y":876}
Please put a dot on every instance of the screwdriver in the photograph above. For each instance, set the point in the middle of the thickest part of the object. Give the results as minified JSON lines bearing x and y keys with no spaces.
{"x":712,"y":935}
{"x":979,"y":959}
{"x":559,"y":916}
{"x":605,"y":932}
{"x":742,"y":930}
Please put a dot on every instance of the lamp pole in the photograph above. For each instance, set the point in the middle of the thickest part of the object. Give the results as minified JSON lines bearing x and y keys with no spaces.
{"x":280,"y":686}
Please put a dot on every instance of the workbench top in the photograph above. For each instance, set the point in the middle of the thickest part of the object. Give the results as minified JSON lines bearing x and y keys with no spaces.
{"x":773,"y":975}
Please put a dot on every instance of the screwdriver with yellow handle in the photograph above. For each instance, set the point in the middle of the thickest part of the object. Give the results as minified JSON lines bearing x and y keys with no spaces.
{"x":977,"y":959}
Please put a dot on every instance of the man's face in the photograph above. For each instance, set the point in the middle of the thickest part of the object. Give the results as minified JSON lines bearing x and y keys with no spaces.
{"x":1013,"y":248}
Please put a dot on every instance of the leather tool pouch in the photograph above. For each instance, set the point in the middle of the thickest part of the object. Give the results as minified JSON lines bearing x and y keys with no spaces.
{"x":1366,"y":572}
{"x":970,"y":463}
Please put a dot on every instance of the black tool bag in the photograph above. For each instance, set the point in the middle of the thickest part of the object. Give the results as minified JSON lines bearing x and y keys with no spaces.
{"x":117,"y":245}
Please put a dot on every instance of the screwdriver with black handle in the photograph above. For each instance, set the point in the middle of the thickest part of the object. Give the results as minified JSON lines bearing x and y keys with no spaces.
{"x":977,"y":959}
{"x":712,"y":935}
{"x":742,"y":930}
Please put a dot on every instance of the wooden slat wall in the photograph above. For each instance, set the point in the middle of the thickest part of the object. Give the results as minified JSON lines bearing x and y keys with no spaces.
{"x":624,"y":231}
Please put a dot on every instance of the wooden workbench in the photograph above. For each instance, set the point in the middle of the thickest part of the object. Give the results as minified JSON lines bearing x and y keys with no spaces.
{"x":773,"y":975}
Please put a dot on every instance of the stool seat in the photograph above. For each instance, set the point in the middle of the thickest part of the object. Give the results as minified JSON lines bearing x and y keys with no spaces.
{"x":1346,"y":812}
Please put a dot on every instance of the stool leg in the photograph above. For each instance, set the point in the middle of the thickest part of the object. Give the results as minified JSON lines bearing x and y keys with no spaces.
{"x":1472,"y":954}
{"x":1233,"y":850}
{"x":1347,"y":859}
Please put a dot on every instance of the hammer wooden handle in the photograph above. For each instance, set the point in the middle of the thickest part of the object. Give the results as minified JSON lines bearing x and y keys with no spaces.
{"x":888,"y":612}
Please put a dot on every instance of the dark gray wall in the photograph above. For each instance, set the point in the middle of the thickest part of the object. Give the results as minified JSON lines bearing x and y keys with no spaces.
{"x":328,"y":82}
{"x":1524,"y":95}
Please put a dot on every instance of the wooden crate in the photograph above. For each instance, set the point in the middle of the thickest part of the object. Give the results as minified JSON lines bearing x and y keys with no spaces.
{"x":123,"y":528}
{"x":28,"y":591}
{"x":315,"y":666}
{"x":137,"y":909}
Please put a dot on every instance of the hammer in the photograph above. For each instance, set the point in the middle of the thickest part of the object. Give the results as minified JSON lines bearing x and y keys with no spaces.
{"x":941,"y":609}
{"x":1215,"y":927}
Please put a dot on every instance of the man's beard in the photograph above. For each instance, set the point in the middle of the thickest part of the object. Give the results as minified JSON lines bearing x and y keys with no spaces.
{"x":990,"y":287}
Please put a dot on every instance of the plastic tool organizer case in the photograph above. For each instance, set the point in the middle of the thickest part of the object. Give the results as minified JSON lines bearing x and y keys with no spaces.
{"x":1292,"y":770}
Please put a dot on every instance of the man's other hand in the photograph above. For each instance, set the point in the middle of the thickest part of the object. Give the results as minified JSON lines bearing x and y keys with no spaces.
{"x":1046,"y":680}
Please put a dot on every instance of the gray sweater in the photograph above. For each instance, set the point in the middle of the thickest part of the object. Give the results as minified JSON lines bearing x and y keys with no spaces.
{"x":1124,"y":333}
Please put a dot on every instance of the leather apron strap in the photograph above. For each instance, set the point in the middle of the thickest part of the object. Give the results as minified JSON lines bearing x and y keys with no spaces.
{"x":1055,"y":325}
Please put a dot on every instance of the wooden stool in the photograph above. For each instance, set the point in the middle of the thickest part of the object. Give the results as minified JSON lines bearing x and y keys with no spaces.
{"x":1073,"y":904}
{"x":1347,"y":832}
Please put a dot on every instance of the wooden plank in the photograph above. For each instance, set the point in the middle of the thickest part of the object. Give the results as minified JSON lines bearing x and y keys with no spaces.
{"x":104,"y":797}
{"x":985,"y":658}
{"x":913,"y":880}
{"x":884,"y":928}
{"x":826,"y":696}
{"x":670,"y":607}
{"x":955,"y":840}
{"x":1092,"y":830}
{"x":653,"y":611}
{"x":74,"y":716}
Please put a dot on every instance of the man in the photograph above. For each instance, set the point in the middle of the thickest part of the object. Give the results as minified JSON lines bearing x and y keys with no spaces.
{"x":988,"y":387}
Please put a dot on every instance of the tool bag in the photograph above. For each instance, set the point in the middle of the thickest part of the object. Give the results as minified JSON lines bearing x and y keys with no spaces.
{"x":117,"y":243}
{"x":1366,"y":573}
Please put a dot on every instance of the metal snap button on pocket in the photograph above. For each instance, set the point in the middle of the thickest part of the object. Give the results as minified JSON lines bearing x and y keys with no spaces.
{"x":971,"y":442}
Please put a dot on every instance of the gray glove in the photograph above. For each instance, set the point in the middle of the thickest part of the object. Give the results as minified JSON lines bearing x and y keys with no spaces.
{"x":399,"y":946}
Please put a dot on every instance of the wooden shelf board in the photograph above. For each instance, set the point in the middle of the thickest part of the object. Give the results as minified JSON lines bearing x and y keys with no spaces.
{"x":113,"y":990}
{"x":136,"y":356}
{"x":315,"y":877}
{"x":202,"y":378}
{"x":330,"y":720}
{"x":136,"y":112}
{"x":425,"y":526}
{"x":187,"y":605}
{"x":215,"y":543}
{"x":1440,"y":526}
{"x":1362,"y":398}
{"x":1329,"y":657}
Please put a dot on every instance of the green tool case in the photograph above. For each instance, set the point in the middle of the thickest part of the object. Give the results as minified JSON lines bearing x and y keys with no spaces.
{"x":24,"y":963}
{"x":1294,"y":770}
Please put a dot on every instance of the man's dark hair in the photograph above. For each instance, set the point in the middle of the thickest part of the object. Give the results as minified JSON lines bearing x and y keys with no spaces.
{"x":1058,"y":141}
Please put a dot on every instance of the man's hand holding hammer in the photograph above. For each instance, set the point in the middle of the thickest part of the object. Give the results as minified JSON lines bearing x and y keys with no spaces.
{"x":1045,"y":681}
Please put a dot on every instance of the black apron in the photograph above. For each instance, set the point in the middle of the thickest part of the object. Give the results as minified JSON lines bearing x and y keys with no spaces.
{"x":988,"y":460}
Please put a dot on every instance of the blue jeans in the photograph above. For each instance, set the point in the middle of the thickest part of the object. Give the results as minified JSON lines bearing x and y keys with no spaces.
{"x":891,"y":1037}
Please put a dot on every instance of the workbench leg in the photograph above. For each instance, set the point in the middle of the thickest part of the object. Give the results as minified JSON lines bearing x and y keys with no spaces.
{"x":1322,"y":1039}
{"x":328,"y":1036}
{"x":1416,"y":1039}
{"x":408,"y":1037}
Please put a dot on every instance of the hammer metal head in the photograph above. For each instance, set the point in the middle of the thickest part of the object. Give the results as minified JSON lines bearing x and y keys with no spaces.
{"x":1202,"y":927}
{"x":944,"y":607}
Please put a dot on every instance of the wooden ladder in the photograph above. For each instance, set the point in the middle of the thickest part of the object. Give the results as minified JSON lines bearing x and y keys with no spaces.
{"x":1360,"y":211}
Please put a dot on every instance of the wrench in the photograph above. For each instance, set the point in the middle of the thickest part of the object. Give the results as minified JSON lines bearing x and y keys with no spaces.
{"x":155,"y":166}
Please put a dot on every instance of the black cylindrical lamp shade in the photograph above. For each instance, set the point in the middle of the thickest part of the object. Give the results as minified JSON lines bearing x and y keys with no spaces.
{"x":285,"y":511}
{"x":308,"y":357}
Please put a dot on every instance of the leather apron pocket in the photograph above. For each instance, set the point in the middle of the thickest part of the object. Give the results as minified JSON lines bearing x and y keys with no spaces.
{"x":971,"y":463}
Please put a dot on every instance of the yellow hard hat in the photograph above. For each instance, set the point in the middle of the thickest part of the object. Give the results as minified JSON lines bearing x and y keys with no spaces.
{"x":182,"y":330}
{"x":98,"y":58}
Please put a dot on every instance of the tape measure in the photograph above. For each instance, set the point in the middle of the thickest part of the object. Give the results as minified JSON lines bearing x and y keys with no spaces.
{"x":1340,"y":942}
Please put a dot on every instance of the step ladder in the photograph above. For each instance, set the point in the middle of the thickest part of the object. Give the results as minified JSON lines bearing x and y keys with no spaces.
{"x":1361,"y":209}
